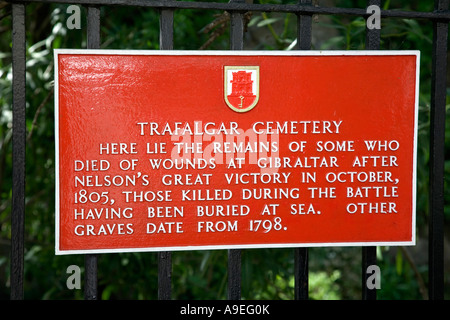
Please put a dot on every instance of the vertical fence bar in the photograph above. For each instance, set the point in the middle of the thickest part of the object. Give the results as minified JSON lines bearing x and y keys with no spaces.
{"x":234,"y":255}
{"x":373,"y":36}
{"x":304,"y":38}
{"x":369,"y":254}
{"x":369,"y":257}
{"x":165,"y":257}
{"x":234,"y":274}
{"x":301,"y":274}
{"x":93,"y":27}
{"x":19,"y":149}
{"x":91,"y":260}
{"x":166,"y":29}
{"x":437,"y":156}
{"x":164,"y":275}
{"x":237,"y":29}
{"x":90,"y":277}
{"x":304,"y":28}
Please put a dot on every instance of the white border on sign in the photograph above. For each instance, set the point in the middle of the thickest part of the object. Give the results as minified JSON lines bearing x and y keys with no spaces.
{"x":299,"y":53}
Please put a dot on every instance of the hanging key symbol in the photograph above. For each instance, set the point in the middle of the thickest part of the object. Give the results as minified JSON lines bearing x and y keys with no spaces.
{"x":242,"y":99}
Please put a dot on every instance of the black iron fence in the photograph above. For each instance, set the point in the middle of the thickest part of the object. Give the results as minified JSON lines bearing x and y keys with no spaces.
{"x":304,"y":10}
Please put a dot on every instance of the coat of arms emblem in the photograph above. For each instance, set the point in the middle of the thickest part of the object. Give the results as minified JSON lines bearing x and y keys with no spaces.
{"x":241,"y":87}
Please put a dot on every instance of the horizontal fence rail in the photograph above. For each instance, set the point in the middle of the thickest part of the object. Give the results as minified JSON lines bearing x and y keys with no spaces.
{"x":242,"y":6}
{"x":304,"y":10}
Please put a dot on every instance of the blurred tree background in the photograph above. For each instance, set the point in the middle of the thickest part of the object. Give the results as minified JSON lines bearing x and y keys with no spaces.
{"x":335,"y":273}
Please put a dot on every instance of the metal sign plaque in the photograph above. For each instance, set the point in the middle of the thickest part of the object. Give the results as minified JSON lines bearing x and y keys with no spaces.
{"x":184,"y":150}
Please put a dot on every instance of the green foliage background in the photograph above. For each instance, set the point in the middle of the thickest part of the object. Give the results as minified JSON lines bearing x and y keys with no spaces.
{"x":267,"y":273}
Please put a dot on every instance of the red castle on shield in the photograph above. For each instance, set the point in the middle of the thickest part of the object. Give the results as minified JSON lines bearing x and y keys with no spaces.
{"x":241,"y":87}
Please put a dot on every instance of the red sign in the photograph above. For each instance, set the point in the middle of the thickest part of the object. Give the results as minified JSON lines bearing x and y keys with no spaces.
{"x":167,"y":150}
